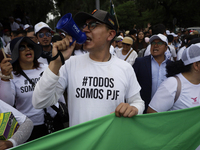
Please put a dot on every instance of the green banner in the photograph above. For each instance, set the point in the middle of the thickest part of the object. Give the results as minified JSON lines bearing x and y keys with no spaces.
{"x":173,"y":130}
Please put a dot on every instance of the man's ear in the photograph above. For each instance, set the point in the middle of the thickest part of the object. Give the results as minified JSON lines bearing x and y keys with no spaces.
{"x":112,"y":34}
{"x":195,"y":66}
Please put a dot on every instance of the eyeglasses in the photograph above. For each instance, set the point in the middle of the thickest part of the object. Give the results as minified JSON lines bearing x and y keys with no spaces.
{"x":41,"y":35}
{"x":158,"y":43}
{"x":91,"y":25}
{"x":23,"y":47}
{"x":126,"y":44}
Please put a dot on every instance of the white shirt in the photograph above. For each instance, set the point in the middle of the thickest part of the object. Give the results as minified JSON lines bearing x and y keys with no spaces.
{"x":180,"y":52}
{"x":131,"y":58}
{"x":94,"y":89}
{"x":14,"y":26}
{"x":163,"y":100}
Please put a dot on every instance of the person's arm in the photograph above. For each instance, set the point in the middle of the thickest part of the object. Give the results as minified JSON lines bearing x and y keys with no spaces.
{"x":48,"y":90}
{"x":23,"y":133}
{"x":150,"y":110}
{"x":6,"y":91}
{"x":20,"y":136}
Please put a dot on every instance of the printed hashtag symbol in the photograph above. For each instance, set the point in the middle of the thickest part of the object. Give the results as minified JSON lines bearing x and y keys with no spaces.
{"x":25,"y":82}
{"x":85,"y":81}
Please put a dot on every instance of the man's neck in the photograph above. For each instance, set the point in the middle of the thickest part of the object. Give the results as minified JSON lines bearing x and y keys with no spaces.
{"x":47,"y":48}
{"x":159,"y":59}
{"x":103,"y":56}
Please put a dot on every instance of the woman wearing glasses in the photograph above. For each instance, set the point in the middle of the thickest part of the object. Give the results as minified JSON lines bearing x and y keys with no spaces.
{"x":127,"y":53}
{"x":18,"y":91}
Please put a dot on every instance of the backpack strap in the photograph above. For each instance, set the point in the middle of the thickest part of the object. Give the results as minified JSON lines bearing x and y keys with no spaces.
{"x":178,"y":91}
{"x":128,"y":55}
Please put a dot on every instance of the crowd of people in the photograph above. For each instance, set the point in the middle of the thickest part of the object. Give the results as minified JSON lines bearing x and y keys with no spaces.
{"x":133,"y":72}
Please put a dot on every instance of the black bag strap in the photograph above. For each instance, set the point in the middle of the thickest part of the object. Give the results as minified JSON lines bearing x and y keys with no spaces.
{"x":33,"y":84}
{"x":23,"y":73}
{"x":178,"y":91}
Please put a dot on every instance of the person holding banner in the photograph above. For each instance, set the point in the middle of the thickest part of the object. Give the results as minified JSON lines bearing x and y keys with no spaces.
{"x":22,"y":133}
{"x":182,"y":89}
{"x":97,"y":82}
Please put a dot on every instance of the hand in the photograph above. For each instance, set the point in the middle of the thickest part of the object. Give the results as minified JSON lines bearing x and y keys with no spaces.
{"x":6,"y":66}
{"x":148,"y":25}
{"x":5,"y":144}
{"x":64,"y":48}
{"x":124,"y":109}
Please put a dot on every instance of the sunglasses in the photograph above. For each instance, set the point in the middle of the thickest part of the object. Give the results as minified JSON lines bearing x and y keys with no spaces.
{"x":41,"y":35}
{"x":23,"y":47}
{"x":158,"y":43}
{"x":91,"y":25}
{"x":126,"y":44}
{"x":119,"y":41}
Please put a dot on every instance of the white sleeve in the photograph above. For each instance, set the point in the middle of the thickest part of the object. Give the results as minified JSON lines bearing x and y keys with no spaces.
{"x":137,"y":102}
{"x":163,"y":99}
{"x":7,"y":92}
{"x":173,"y":51}
{"x":23,"y":133}
{"x":148,"y":50}
{"x":47,"y":90}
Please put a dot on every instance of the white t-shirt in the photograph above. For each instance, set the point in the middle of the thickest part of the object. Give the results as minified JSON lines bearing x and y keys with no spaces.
{"x":163,"y":100}
{"x":180,"y":52}
{"x":112,"y":50}
{"x":43,"y":60}
{"x":173,"y":52}
{"x":4,"y":107}
{"x":79,"y":52}
{"x":95,"y":89}
{"x":19,"y":92}
{"x":131,"y":58}
{"x":14,"y":26}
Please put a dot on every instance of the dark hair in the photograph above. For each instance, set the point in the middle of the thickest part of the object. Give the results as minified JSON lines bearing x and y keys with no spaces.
{"x":158,"y":28}
{"x":170,"y":38}
{"x":30,"y":30}
{"x":132,"y":32}
{"x":18,"y":70}
{"x":193,"y":41}
{"x":56,"y":38}
{"x":137,"y":43}
{"x":177,"y":67}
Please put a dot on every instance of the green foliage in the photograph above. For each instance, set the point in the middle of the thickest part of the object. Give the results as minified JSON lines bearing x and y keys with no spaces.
{"x":37,"y":10}
{"x":129,"y":12}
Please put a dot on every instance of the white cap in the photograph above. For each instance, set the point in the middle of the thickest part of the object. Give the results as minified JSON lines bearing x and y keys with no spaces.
{"x":167,"y":32}
{"x":26,"y":26}
{"x":40,"y":26}
{"x":18,"y":19}
{"x":191,"y":54}
{"x":159,"y":36}
{"x":174,"y":35}
{"x":121,"y":37}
